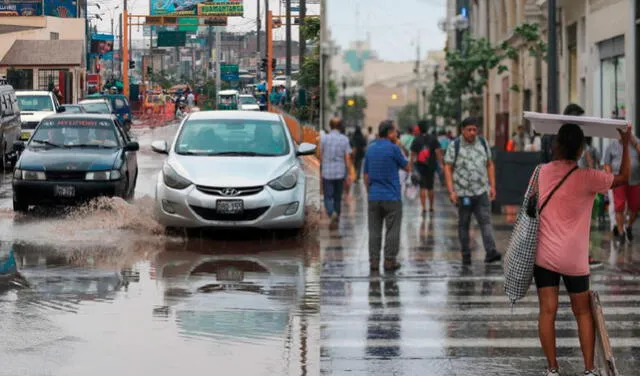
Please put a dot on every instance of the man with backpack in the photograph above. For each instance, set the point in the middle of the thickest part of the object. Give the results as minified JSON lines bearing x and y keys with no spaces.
{"x":426,"y":153}
{"x":470,"y":178}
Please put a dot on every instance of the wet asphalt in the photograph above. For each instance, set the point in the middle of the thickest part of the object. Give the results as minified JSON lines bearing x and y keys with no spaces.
{"x":103,"y":291}
{"x":436,"y":317}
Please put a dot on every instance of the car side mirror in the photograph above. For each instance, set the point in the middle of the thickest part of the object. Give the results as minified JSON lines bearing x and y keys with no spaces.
{"x":306,"y":148}
{"x":132,"y":146}
{"x":18,"y":146}
{"x":160,"y":147}
{"x":61,"y":109}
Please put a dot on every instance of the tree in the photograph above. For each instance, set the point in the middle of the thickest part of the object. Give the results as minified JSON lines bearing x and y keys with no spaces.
{"x":533,"y":43}
{"x":310,"y":69}
{"x":408,"y":116}
{"x":441,"y":105}
{"x":353,"y":110}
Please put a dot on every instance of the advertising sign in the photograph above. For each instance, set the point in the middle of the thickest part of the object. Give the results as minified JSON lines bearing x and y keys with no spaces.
{"x":21,"y":8}
{"x":61,"y":8}
{"x":193,"y":7}
{"x":102,"y":44}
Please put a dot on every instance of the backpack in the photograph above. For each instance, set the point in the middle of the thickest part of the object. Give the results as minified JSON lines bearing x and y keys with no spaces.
{"x":456,"y":145}
{"x":425,"y":154}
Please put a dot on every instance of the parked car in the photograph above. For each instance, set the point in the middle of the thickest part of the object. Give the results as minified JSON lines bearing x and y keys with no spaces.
{"x":96,"y":106}
{"x":248,"y":103}
{"x":9,"y":124}
{"x":232,"y":169}
{"x":72,"y":158}
{"x":35,"y":106}
{"x":120,"y":106}
{"x":73,"y":109}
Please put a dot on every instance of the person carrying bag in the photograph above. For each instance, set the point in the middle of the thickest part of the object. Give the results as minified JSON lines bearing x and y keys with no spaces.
{"x":553,"y":244}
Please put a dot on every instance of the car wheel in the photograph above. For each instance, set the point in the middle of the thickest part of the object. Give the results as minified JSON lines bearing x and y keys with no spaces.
{"x":20,"y":206}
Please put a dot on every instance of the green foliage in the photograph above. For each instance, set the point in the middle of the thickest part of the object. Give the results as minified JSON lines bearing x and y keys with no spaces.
{"x":162,"y":78}
{"x":332,"y":91}
{"x":408,"y":116}
{"x":468,"y":70}
{"x":311,"y":29}
{"x":355,"y":112}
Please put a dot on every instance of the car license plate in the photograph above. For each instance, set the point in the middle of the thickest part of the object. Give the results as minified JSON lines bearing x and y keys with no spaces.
{"x":229,"y":274}
{"x":229,"y":206}
{"x":25,"y":136}
{"x":65,"y":191}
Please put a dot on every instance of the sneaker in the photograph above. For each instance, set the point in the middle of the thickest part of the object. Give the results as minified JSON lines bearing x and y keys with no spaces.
{"x":616,"y":232}
{"x":553,"y":372}
{"x":593,"y":263}
{"x":593,"y":372}
{"x":629,"y":234}
{"x":391,"y":265}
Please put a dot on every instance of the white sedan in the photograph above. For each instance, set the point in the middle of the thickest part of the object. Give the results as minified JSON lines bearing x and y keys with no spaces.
{"x":232,"y":169}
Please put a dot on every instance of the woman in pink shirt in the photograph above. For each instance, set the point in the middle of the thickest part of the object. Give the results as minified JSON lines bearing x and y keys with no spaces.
{"x":563,"y":238}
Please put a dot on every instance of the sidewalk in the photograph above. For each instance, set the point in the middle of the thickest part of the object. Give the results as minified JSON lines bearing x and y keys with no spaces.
{"x":436,"y":317}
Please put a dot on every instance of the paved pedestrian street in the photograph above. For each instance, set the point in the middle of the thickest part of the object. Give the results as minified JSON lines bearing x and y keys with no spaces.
{"x":436,"y":317}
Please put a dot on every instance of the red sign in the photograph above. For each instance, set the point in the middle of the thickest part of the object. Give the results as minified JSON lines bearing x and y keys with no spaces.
{"x":93,"y":79}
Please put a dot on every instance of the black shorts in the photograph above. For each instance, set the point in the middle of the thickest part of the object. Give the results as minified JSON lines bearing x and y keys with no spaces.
{"x":548,"y":278}
{"x":427,"y":176}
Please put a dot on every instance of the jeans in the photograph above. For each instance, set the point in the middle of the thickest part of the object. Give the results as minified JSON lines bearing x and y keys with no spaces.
{"x":332,"y":195}
{"x":480,"y":208}
{"x":389,"y":214}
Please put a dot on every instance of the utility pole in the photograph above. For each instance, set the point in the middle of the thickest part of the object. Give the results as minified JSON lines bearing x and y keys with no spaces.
{"x":113,"y":58}
{"x":324,"y":72}
{"x":210,"y":51}
{"x":120,"y":49}
{"x":417,"y":72}
{"x":218,"y":45}
{"x":269,"y":57}
{"x":288,"y":32}
{"x":125,"y":57}
{"x":552,"y":62}
{"x":258,"y":30}
{"x":303,"y":41}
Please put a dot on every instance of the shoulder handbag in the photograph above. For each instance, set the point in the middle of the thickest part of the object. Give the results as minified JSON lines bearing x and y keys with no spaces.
{"x":520,"y":257}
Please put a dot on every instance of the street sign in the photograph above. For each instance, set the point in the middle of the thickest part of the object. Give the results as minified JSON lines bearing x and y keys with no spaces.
{"x":188,"y":24}
{"x":172,"y":38}
{"x":229,"y":72}
{"x":216,"y":21}
{"x":295,"y":9}
{"x":231,"y":8}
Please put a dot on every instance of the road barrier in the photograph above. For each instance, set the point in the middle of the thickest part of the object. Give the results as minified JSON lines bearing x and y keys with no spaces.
{"x":154,"y":114}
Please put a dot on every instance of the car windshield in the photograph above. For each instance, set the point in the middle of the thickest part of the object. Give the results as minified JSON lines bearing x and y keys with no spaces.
{"x":228,"y":99}
{"x":248,"y":100}
{"x":73,"y":109}
{"x":35,"y":103}
{"x":96,"y":107}
{"x":233,"y":137}
{"x":77,"y":132}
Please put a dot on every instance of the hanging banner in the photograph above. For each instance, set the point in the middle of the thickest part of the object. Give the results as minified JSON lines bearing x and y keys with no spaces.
{"x":193,"y":7}
{"x":21,"y":8}
{"x":61,"y":8}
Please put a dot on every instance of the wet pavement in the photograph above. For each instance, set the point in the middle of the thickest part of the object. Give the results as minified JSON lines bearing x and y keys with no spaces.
{"x":437,"y":317}
{"x":104,"y":291}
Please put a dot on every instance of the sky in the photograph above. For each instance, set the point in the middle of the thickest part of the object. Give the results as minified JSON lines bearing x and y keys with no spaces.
{"x":246,"y":23}
{"x":393,"y":25}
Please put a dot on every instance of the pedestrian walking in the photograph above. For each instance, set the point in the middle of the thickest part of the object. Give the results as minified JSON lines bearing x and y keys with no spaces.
{"x":335,"y":160}
{"x":563,"y":238}
{"x":382,"y":162}
{"x":371,"y":137}
{"x":626,"y":198}
{"x":359,"y":146}
{"x":471,"y":181}
{"x":425,"y":154}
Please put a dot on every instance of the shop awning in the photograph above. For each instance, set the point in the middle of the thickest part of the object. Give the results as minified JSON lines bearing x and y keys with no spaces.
{"x":43,"y":53}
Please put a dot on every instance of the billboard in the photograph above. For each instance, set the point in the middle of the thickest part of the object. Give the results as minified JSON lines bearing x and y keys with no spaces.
{"x":192,"y":7}
{"x":61,"y":8}
{"x":21,"y":8}
{"x":102,"y":45}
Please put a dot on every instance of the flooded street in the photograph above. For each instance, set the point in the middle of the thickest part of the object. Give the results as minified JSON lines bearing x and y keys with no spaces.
{"x":104,"y":291}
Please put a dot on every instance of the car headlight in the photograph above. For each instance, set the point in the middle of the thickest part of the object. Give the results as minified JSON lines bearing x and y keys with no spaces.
{"x":286,"y":181}
{"x":103,"y":175}
{"x":172,"y":179}
{"x":19,"y":174}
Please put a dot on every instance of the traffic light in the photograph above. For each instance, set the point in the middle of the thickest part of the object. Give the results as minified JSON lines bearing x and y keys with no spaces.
{"x":132,"y":64}
{"x":273,"y":63}
{"x":149,"y":70}
{"x":264,"y":64}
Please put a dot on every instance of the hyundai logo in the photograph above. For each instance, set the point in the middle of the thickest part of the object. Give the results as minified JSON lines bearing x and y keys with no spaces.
{"x":230,"y":192}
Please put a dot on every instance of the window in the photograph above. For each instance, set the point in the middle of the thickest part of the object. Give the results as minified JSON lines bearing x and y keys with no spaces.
{"x":49,"y":78}
{"x":613,"y":87}
{"x":54,"y":36}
